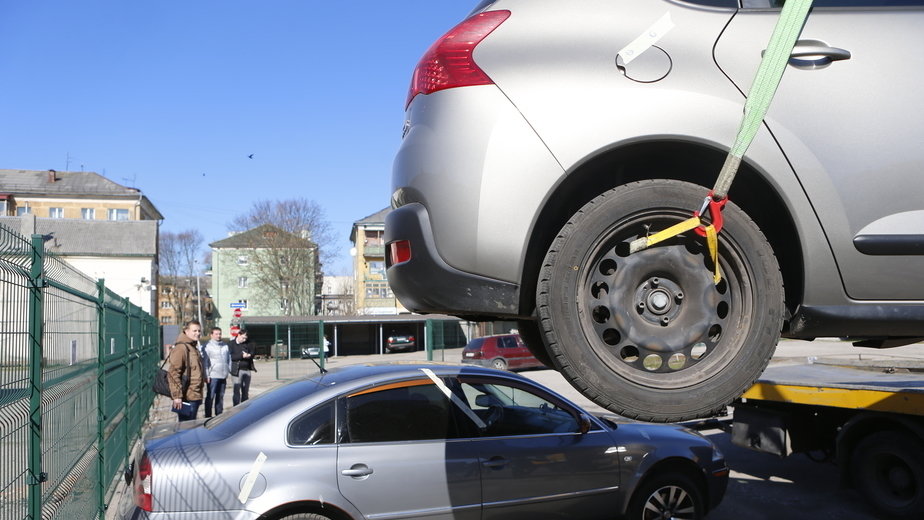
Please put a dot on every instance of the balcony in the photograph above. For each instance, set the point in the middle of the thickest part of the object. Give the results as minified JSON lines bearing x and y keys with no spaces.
{"x":374,"y":250}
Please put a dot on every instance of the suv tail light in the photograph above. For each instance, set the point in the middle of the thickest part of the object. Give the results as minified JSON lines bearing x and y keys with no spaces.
{"x":143,"y":497}
{"x":398,"y":252}
{"x":410,"y":338}
{"x":448,"y":63}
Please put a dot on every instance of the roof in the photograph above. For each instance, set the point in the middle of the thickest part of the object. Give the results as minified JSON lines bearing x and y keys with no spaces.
{"x":265,"y":236}
{"x":370,"y":318}
{"x":377,"y":218}
{"x":72,"y":185}
{"x":77,"y":237}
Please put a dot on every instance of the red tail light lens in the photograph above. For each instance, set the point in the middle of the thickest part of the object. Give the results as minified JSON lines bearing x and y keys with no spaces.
{"x":410,"y":338}
{"x":143,"y":497}
{"x":399,"y":252}
{"x":448,"y":63}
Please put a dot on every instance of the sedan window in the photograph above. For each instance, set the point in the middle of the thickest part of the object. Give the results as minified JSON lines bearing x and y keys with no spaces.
{"x":509,"y":410}
{"x":406,"y":413}
{"x":313,"y":427}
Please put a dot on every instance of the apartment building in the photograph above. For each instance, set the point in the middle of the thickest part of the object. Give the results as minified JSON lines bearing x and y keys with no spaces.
{"x":371,"y":289}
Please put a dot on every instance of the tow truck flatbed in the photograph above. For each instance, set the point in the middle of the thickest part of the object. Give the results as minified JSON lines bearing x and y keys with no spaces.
{"x":898,"y":389}
{"x":867,"y":417}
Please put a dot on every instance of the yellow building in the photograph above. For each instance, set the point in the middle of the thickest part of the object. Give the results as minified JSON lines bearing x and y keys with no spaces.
{"x":371,"y":289}
{"x":71,"y":195}
{"x":99,"y":227}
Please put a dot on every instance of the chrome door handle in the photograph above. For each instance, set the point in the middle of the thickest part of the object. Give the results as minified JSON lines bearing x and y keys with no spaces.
{"x":813,"y":54}
{"x":357,"y":471}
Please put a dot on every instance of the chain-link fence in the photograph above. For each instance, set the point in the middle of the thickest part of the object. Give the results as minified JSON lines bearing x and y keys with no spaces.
{"x":76,"y":365}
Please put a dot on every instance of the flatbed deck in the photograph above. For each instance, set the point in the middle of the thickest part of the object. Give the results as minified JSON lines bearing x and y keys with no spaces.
{"x":898,"y":389}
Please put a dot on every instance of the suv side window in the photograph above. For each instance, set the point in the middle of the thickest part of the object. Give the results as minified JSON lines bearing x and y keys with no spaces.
{"x":715,"y":3}
{"x":419,"y":411}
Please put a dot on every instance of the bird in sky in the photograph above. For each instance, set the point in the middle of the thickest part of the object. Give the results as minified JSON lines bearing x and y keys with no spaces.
{"x":250,"y":156}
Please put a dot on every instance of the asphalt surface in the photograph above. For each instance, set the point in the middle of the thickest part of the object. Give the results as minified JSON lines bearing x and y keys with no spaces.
{"x":760,"y":486}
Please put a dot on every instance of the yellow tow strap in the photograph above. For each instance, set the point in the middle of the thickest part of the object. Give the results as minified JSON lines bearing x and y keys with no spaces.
{"x":712,"y":239}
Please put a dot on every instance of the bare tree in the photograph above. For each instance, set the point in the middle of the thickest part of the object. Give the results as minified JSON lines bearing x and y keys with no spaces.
{"x":301,"y":217}
{"x":178,"y":264}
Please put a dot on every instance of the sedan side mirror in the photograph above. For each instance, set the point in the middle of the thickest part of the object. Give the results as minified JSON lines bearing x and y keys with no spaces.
{"x":585,"y":423}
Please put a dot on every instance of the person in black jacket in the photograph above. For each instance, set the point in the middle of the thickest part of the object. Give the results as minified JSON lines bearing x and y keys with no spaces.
{"x":241,"y":366}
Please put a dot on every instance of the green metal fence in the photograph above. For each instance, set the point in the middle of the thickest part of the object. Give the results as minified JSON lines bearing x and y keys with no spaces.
{"x":76,"y":365}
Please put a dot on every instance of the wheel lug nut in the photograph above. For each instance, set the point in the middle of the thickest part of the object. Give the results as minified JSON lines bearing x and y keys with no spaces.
{"x":679,"y":297}
{"x":641,"y":306}
{"x":665,"y":320}
{"x":655,"y":282}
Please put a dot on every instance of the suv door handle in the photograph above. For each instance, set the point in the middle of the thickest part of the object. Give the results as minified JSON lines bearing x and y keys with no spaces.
{"x":814,"y":54}
{"x":357,"y":471}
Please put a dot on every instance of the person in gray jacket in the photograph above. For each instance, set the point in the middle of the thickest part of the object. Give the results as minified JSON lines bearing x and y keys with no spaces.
{"x":217,"y":358}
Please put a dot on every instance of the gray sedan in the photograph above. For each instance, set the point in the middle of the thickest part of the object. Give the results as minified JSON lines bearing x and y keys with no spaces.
{"x":423,"y":441}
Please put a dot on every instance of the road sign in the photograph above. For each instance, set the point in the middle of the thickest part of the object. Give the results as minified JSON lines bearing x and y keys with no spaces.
{"x":234,"y":330}
{"x":237,"y":313}
{"x":238,"y":305}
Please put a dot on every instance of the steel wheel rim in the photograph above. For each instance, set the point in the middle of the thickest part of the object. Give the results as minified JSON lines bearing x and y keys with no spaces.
{"x":656,"y":317}
{"x":669,"y":503}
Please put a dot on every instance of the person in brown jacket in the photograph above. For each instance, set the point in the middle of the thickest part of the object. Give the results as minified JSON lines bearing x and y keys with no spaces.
{"x":186,"y":360}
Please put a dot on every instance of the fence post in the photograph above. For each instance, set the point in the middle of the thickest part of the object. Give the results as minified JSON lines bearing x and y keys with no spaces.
{"x":36,"y":334}
{"x":101,"y":393}
{"x":428,"y":339}
{"x":273,"y":349}
{"x":321,"y":355}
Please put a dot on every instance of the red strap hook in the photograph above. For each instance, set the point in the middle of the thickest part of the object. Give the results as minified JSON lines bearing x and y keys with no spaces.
{"x":715,"y":213}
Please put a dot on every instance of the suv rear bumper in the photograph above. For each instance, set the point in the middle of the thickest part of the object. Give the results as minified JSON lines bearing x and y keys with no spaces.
{"x":427,"y":284}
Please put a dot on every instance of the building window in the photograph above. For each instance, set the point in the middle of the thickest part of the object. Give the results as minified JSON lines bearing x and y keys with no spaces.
{"x":55,"y":212}
{"x":242,"y":260}
{"x":165,"y":305}
{"x":377,"y":268}
{"x":166,"y":320}
{"x":242,"y":282}
{"x":3,"y":208}
{"x":166,"y":291}
{"x":378,"y":290}
{"x":23,"y":210}
{"x":118,"y":214}
{"x":88,"y":213}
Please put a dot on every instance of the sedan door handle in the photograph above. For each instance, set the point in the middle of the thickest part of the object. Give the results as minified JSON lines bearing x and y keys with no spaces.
{"x":357,"y":471}
{"x":496,"y":462}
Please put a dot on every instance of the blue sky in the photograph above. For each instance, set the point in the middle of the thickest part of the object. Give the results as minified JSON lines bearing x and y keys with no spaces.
{"x":171,"y":96}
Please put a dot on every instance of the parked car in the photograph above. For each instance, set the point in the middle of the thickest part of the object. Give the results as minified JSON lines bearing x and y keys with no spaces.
{"x":503,"y":352}
{"x":401,"y":343}
{"x":555,"y":152}
{"x":426,"y":441}
{"x":309,"y":351}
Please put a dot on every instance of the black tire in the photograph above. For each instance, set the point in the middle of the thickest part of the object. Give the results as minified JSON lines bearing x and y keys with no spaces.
{"x":671,"y":495}
{"x":535,"y":342}
{"x":499,"y":363}
{"x":650,"y":335}
{"x":305,"y":516}
{"x":888,"y":469}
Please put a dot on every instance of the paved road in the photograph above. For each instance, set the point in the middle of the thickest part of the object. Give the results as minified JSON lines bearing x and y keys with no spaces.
{"x":761,"y":486}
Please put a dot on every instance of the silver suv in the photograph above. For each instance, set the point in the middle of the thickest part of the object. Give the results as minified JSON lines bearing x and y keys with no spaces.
{"x":533,"y":154}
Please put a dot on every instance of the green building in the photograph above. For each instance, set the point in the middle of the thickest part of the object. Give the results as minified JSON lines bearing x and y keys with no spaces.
{"x":265,"y":272}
